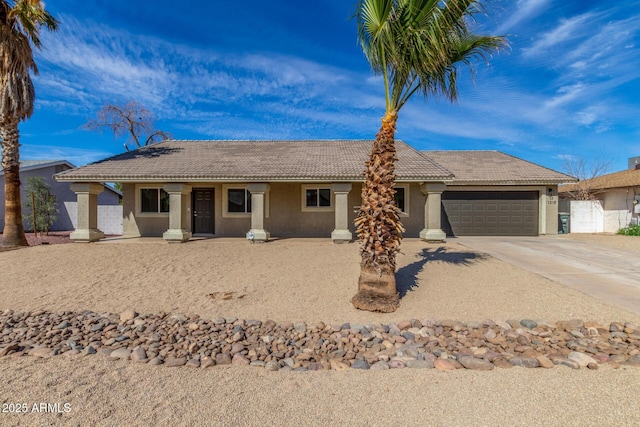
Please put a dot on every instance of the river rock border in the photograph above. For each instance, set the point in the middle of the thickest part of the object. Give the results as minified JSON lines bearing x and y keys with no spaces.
{"x":179,"y":340}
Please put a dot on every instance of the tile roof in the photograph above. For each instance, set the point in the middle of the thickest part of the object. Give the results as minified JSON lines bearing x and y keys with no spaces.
{"x":316,"y":160}
{"x":494,"y":168}
{"x":624,"y":179}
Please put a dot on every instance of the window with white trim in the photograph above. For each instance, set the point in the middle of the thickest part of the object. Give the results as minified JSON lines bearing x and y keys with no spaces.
{"x":317,"y":197}
{"x":238,"y":200}
{"x":154,"y":200}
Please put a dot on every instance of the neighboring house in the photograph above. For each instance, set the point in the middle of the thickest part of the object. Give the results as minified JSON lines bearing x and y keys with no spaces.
{"x":65,"y":198}
{"x":615,"y":196}
{"x":256,"y":189}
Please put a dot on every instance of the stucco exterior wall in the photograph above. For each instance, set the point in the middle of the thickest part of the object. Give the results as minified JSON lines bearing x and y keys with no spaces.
{"x":285,"y":215}
{"x":133,"y":223}
{"x":61,"y":190}
{"x":618,"y":208}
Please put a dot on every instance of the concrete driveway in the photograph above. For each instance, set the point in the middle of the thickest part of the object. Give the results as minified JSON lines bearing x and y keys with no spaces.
{"x":609,"y":274}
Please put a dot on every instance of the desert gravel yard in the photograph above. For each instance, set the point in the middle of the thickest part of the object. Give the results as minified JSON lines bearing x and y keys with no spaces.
{"x":298,"y":280}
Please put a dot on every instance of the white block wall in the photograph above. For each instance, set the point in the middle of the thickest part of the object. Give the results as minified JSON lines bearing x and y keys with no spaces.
{"x":587,"y":216}
{"x":109,"y":217}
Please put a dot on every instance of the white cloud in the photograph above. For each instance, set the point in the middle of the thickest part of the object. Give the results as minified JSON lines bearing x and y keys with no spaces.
{"x":525,"y":9}
{"x":565,"y":94}
{"x":86,"y":65}
{"x":566,"y":30}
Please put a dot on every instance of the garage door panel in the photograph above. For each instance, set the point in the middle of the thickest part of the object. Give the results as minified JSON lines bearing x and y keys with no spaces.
{"x":506,"y":213}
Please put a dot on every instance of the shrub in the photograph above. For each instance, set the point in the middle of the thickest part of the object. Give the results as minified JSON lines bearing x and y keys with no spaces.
{"x":41,"y":204}
{"x":632,"y":230}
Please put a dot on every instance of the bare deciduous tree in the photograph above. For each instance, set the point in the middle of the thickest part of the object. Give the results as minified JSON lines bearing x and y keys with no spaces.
{"x":132,"y":121}
{"x":585,"y":170}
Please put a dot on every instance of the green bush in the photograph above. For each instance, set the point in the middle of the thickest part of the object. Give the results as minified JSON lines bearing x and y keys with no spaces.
{"x":41,"y":204}
{"x":632,"y":230}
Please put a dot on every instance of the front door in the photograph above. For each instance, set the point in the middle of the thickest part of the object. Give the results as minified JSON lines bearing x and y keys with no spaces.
{"x":203,"y":211}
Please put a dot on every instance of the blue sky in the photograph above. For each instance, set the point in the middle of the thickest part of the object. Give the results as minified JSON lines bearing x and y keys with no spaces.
{"x":568,"y":86}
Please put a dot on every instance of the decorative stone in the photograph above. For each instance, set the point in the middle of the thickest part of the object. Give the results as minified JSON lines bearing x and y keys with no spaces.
{"x":379,"y":366}
{"x":419,"y":364}
{"x":88,"y":350}
{"x":8,"y":349}
{"x":121,"y":353}
{"x":443,"y":365}
{"x":524,"y":362}
{"x":475,"y":364}
{"x":240,"y":360}
{"x":545,"y":362}
{"x":502,"y":363}
{"x":192,"y":363}
{"x":172,"y":362}
{"x":223,"y":358}
{"x":337,"y":365}
{"x":360,"y":364}
{"x":207,"y":362}
{"x":396,"y":364}
{"x":582,"y":359}
{"x":272,"y":366}
{"x":127,"y":315}
{"x":138,"y":354}
{"x":566,"y":362}
{"x":155,"y":361}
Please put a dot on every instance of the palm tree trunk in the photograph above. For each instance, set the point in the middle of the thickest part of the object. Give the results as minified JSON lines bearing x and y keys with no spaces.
{"x":378,"y":225}
{"x":13,"y":234}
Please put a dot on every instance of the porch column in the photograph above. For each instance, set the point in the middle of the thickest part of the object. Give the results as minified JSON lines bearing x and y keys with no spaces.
{"x":432,"y":226}
{"x":257,"y":232}
{"x":178,"y":227}
{"x":87,"y":217}
{"x":341,"y":233}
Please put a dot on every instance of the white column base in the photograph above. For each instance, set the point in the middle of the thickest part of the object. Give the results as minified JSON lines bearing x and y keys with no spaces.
{"x":255,"y":235}
{"x":341,"y":236}
{"x":176,"y":236}
{"x":86,"y":236}
{"x":433,"y":235}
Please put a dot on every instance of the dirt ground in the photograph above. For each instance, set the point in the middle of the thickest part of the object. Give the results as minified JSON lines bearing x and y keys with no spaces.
{"x":297,"y":280}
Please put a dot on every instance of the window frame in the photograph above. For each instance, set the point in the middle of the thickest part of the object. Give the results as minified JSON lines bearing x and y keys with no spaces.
{"x":407,"y":189}
{"x":225,"y":202}
{"x":303,"y":201}
{"x":139,"y":211}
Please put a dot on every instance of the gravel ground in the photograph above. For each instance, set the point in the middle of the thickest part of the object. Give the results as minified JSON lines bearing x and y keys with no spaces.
{"x":297,"y":280}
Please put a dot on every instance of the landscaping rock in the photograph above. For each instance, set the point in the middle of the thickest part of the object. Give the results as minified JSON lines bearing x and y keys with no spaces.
{"x":175,"y":361}
{"x":582,"y":359}
{"x":475,"y":364}
{"x":179,"y":339}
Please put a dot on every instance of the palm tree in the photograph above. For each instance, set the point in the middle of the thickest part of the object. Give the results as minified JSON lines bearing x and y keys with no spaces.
{"x":20,"y":23}
{"x":415,"y":45}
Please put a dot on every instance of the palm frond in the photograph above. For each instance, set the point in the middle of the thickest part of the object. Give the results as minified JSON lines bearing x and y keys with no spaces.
{"x":417,"y":45}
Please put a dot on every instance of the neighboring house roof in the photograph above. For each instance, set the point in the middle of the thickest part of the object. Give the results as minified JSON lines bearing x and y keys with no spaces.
{"x":26,"y":165}
{"x":624,"y":179}
{"x":475,"y":167}
{"x":313,"y":160}
{"x":30,"y":165}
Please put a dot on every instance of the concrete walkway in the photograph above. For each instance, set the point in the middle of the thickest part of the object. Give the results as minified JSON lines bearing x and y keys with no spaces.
{"x":609,"y":274}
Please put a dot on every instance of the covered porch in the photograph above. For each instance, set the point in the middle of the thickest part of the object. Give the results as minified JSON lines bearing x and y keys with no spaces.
{"x":255,"y":210}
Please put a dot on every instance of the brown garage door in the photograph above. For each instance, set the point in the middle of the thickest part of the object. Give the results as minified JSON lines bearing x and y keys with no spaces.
{"x":490,"y":213}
